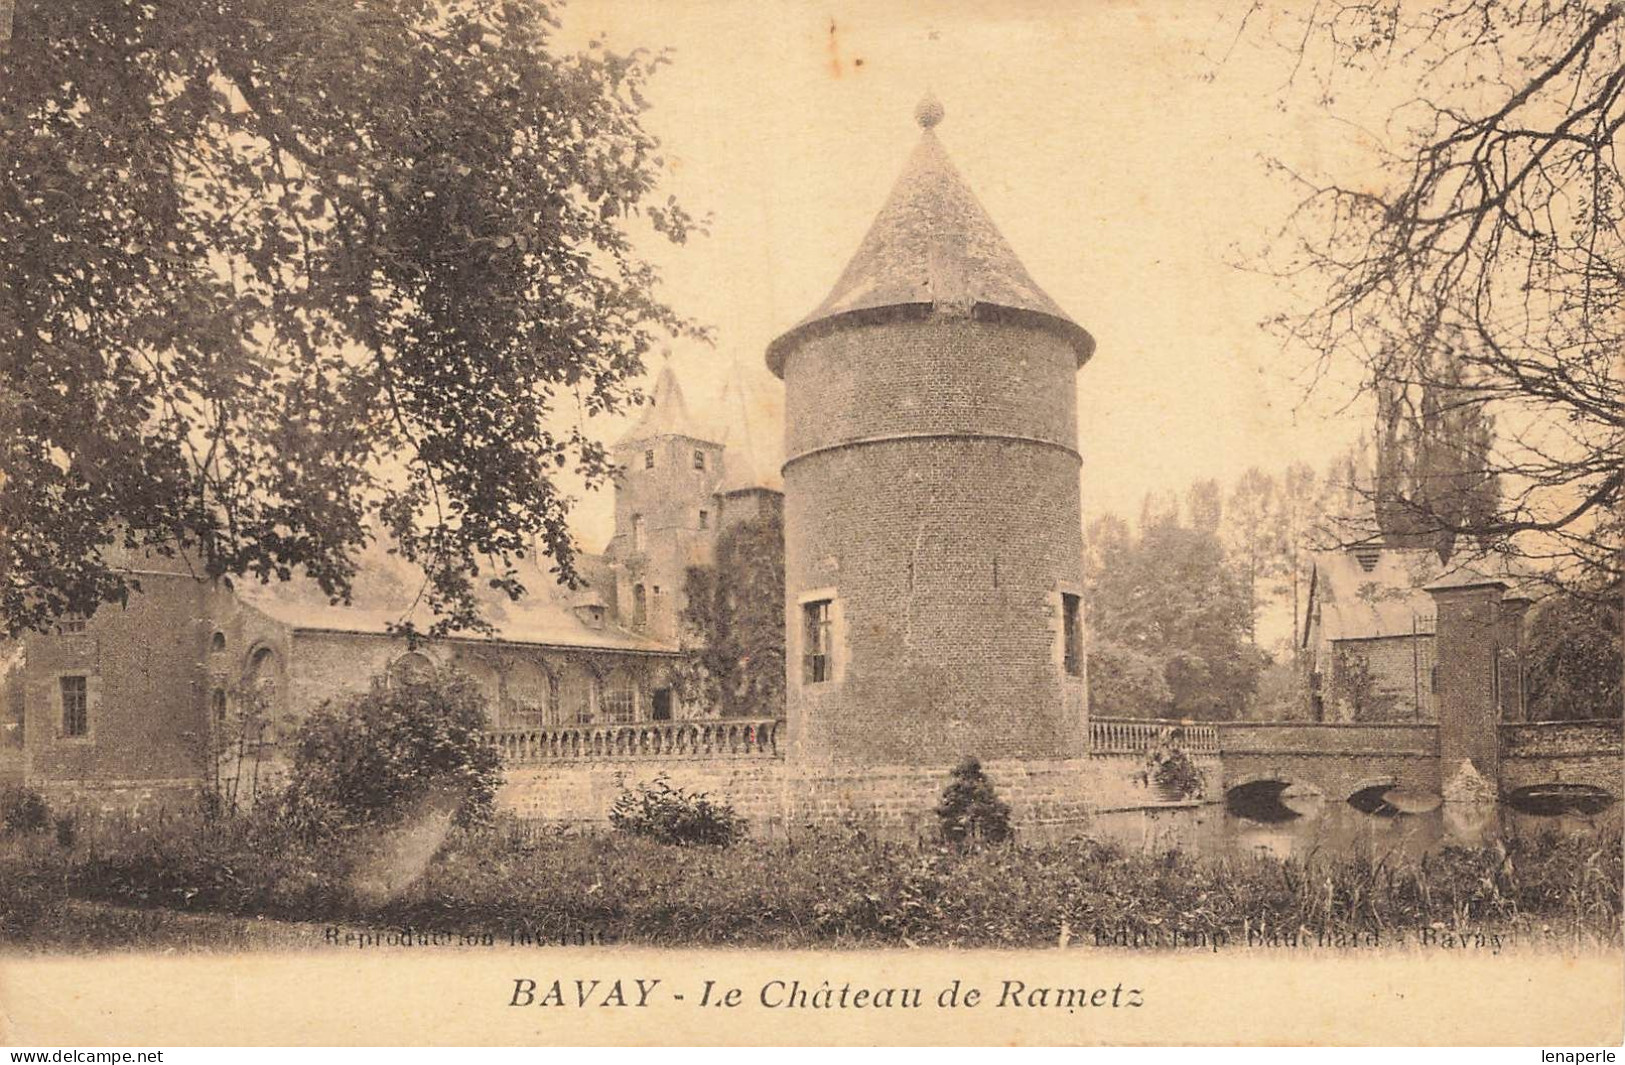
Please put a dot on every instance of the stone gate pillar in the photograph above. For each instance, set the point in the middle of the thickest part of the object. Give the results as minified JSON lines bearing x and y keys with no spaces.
{"x":1467,"y":661}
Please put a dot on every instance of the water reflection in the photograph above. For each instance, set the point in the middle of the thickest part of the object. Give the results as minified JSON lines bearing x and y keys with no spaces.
{"x":1334,"y":828}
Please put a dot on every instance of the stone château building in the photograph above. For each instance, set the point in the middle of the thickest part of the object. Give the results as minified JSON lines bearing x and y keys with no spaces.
{"x":932,"y":519}
{"x":153,"y":699}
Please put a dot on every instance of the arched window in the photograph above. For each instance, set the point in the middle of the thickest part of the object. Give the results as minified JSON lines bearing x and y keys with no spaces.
{"x":640,"y":607}
{"x":217,"y":642}
{"x":414,"y":667}
{"x":218,"y":704}
{"x":533,"y":695}
{"x":618,"y":704}
{"x":262,"y":688}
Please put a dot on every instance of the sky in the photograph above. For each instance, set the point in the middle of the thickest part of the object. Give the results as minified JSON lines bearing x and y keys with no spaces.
{"x":1121,"y":148}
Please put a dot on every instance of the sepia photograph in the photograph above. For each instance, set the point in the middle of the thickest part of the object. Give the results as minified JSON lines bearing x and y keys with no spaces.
{"x":583,"y":522}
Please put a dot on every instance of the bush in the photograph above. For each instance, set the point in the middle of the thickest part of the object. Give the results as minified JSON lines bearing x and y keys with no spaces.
{"x":1172,"y":770}
{"x":379,"y":757}
{"x":23,"y":810}
{"x":666,"y":814}
{"x":970,"y":811}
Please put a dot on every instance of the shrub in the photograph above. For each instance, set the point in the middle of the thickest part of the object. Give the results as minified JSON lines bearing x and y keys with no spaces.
{"x":1172,"y":770}
{"x":668,"y":814}
{"x":970,"y":810}
{"x":23,"y":810}
{"x":378,"y":757}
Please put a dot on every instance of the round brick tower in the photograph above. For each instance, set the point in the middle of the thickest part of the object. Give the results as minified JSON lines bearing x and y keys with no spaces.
{"x":933,"y":529}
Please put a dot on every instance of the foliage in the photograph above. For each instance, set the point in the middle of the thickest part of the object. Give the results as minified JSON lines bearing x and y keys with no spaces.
{"x":1354,"y":688}
{"x":274,"y":273}
{"x":1572,"y":659}
{"x":1170,"y":597}
{"x":1124,"y":682}
{"x":1282,"y":693}
{"x":1477,"y":265}
{"x":375,"y":758}
{"x":735,"y":616}
{"x":825,"y":888}
{"x":668,"y":814}
{"x":1172,"y":770}
{"x":971,"y":811}
{"x":23,"y":810}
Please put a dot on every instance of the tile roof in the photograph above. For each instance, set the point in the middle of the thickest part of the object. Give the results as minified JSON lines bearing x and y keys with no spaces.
{"x":749,"y":457}
{"x":386,"y":592}
{"x":934,"y":245}
{"x":665,"y":415}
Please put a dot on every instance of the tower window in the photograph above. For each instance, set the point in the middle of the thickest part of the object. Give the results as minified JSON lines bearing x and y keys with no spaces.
{"x":1072,"y":634}
{"x":705,"y":519}
{"x":637,"y":532}
{"x":699,"y":460}
{"x":217,"y":642}
{"x":817,"y":644}
{"x":217,"y":702}
{"x":649,"y":459}
{"x":75,"y":706}
{"x":640,"y":607}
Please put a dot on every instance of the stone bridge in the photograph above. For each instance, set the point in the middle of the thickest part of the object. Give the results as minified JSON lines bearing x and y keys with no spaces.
{"x":1338,"y":761}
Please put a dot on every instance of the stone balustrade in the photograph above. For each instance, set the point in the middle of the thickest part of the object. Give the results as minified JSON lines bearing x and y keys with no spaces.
{"x":1121,"y":735}
{"x":719,"y":738}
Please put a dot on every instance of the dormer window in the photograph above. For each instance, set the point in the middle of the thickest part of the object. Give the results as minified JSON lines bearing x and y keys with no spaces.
{"x":699,"y":460}
{"x":649,"y":459}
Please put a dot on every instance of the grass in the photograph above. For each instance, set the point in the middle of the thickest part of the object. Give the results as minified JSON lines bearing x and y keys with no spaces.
{"x":827,"y":888}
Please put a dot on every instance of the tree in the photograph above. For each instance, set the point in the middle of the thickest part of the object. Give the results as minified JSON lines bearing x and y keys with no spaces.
{"x":1484,"y":258}
{"x":1300,"y":498}
{"x":1171,"y":598}
{"x":1573,"y":663}
{"x":1433,"y":473}
{"x":275,"y":273}
{"x":735,"y":621}
{"x":374,"y":758}
{"x":1254,"y":536}
{"x":971,"y":811}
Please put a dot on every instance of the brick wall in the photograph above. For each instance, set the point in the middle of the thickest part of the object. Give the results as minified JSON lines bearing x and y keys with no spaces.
{"x":1045,"y":795}
{"x":1336,"y":760}
{"x":143,"y":669}
{"x":946,"y":547}
{"x":669,"y":499}
{"x":1469,"y":707}
{"x":581,"y":794}
{"x":1570,"y":752}
{"x":1400,"y":680}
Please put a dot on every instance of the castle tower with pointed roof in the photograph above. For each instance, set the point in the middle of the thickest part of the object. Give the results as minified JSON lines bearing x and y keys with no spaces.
{"x":751,"y":486}
{"x":933,"y":526}
{"x":665,"y":511}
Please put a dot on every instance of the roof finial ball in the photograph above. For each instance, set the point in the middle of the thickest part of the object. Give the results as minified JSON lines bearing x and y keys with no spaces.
{"x":928,"y":112}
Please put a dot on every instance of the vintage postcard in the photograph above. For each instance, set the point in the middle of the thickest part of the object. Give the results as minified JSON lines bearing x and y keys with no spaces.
{"x":1055,"y":522}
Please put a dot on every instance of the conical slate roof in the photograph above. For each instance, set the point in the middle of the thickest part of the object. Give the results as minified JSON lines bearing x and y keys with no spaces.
{"x":933,"y":245}
{"x":667,"y":415}
{"x":746,"y":463}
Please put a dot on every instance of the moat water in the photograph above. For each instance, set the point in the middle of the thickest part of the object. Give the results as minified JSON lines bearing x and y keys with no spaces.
{"x":1331,"y":827}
